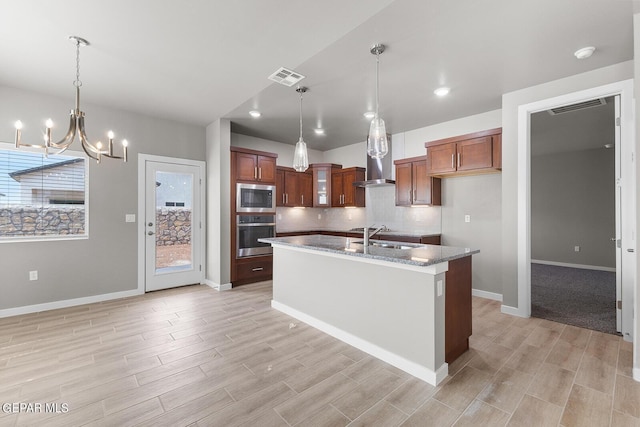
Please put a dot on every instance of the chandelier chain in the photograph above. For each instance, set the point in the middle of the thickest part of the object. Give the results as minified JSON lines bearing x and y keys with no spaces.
{"x":77,"y":83}
{"x":301,"y":114}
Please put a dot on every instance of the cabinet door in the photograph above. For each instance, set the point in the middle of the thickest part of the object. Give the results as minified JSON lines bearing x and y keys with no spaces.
{"x":246,"y":167}
{"x":336,"y":189}
{"x":291,"y":197}
{"x":349,"y":191}
{"x":404,"y":190}
{"x":475,"y":154}
{"x":279,"y":187}
{"x":266,"y":169}
{"x":426,"y":188}
{"x":305,"y":189}
{"x":321,"y":187}
{"x":441,"y":158}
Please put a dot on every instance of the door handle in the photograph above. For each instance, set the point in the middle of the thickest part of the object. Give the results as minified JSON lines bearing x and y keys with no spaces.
{"x":150,"y":233}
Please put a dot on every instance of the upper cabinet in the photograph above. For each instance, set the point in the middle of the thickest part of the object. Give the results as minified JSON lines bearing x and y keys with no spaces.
{"x":477,"y":152}
{"x":253,"y":166}
{"x":343,"y":192}
{"x":293,"y":188}
{"x":322,"y":183}
{"x":413,"y":185}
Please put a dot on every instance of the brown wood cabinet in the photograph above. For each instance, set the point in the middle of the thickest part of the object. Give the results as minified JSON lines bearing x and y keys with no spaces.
{"x":253,"y":166}
{"x":413,"y":185}
{"x":478,"y":152}
{"x":343,"y":192}
{"x":322,"y":183}
{"x":293,"y":188}
{"x":457,"y":311}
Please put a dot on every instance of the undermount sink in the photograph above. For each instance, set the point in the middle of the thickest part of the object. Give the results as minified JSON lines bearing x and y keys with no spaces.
{"x":387,"y":245}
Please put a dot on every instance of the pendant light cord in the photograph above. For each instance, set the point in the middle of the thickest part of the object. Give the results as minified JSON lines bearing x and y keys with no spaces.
{"x":301,"y":114}
{"x":377,"y":82}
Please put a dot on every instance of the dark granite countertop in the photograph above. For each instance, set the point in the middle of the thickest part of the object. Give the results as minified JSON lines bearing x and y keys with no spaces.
{"x":405,"y":253}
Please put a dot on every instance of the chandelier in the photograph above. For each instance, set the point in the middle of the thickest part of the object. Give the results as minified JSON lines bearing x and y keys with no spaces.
{"x":300,"y":155}
{"x":76,"y":126}
{"x":377,"y":141}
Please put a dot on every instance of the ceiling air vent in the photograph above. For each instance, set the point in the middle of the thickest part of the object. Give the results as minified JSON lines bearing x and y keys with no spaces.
{"x":579,"y":106}
{"x":286,"y":77}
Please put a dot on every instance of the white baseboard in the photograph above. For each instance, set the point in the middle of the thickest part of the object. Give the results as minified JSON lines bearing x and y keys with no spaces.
{"x":412,"y":368}
{"x":485,"y":294}
{"x":217,"y":286}
{"x":565,"y":264}
{"x":27,"y":309}
{"x":513,"y":311}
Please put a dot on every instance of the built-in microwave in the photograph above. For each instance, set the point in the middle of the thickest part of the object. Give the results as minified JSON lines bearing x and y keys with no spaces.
{"x":255,"y":198}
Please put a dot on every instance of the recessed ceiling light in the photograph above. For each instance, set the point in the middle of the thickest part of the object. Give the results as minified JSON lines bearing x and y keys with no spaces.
{"x":585,"y":52}
{"x":319,"y":131}
{"x":255,"y":113}
{"x":369,"y":115}
{"x":442,"y":91}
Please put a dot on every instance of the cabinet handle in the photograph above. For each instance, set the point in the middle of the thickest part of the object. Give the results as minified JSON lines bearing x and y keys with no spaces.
{"x":453,"y":159}
{"x":287,"y":197}
{"x":302,"y":198}
{"x":459,"y":159}
{"x":283,"y":202}
{"x":255,"y":172}
{"x":414,"y":195}
{"x":409,"y":196}
{"x":259,"y":173}
{"x":257,"y":269}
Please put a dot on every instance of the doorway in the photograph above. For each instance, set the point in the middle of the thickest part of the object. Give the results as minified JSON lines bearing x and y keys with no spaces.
{"x":574,"y":170}
{"x":625,"y":188}
{"x":171,"y":240}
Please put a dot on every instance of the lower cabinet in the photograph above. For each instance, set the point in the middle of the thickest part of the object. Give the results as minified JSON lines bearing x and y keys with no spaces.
{"x":253,"y":269}
{"x":457,"y":308}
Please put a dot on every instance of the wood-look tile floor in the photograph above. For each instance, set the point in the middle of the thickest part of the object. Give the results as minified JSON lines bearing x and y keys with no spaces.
{"x":196,"y":357}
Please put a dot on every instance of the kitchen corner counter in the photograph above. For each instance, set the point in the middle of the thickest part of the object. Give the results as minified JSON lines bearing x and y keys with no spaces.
{"x":404,"y":253}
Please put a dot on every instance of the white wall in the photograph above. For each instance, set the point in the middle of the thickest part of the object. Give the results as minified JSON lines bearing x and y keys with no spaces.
{"x":636,"y":326}
{"x":107,"y":261}
{"x":510,"y":103}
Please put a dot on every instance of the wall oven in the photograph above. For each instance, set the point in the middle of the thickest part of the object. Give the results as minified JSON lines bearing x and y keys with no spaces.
{"x":255,"y":198}
{"x":250,"y":228}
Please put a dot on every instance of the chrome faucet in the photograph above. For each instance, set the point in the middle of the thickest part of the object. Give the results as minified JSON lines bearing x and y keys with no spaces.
{"x":368,"y":235}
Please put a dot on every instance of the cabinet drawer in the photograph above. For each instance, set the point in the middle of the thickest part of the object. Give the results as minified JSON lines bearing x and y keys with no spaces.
{"x":430,"y":240}
{"x":254,"y":268}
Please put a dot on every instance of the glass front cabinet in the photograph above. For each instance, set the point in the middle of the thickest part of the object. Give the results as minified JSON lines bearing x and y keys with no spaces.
{"x":322,"y":183}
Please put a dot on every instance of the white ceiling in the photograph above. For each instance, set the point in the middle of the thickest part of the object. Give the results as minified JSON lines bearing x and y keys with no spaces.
{"x":199,"y":60}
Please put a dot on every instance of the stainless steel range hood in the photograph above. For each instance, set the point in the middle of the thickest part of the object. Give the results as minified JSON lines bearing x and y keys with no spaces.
{"x":378,"y":171}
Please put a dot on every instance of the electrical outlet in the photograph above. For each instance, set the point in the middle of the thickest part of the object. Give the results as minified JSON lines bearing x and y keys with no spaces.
{"x":439,"y":284}
{"x":130,"y":218}
{"x":467,"y":218}
{"x":576,"y":248}
{"x":319,"y":216}
{"x":279,"y":216}
{"x":33,"y":275}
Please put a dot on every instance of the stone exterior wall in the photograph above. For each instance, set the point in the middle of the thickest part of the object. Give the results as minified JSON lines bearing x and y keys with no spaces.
{"x":173,"y":226}
{"x":18,"y":221}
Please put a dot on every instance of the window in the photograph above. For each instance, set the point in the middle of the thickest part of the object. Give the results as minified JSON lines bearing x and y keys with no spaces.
{"x":42,"y":197}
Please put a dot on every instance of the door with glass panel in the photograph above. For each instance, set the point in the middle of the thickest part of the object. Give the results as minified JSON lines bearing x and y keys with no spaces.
{"x":173,"y":225}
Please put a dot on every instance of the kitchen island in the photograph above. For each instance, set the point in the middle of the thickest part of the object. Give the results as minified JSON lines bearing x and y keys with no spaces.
{"x":387,"y":299}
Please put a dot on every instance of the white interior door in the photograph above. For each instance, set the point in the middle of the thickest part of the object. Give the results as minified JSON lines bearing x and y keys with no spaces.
{"x":173,"y":231}
{"x":618,"y":202}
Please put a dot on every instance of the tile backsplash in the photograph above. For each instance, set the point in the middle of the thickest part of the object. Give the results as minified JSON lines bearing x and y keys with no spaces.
{"x":380,"y":210}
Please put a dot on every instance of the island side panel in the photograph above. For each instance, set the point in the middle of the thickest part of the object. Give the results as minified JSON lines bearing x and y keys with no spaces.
{"x":389,"y":308}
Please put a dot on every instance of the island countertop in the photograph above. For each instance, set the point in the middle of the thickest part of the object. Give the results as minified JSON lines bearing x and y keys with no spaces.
{"x":404,"y":253}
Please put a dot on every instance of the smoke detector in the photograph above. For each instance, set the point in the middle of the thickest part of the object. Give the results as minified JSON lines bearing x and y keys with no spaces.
{"x":286,"y":77}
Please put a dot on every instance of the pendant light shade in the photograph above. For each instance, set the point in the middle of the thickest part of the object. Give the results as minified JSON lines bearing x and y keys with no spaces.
{"x":377,"y":141}
{"x":300,"y":155}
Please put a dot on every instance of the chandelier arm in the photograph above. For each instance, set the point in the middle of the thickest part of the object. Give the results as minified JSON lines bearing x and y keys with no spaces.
{"x":65,"y":142}
{"x":86,"y":144}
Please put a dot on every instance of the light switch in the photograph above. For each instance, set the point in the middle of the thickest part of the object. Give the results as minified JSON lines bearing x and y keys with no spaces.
{"x":467,"y":218}
{"x":439,"y":284}
{"x":130,"y":218}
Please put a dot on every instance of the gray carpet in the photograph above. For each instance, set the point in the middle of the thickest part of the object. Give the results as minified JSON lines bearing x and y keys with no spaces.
{"x":574,"y":296}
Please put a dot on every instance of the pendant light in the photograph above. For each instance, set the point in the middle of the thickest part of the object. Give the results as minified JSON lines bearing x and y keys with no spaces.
{"x":377,"y":142}
{"x":300,"y":156}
